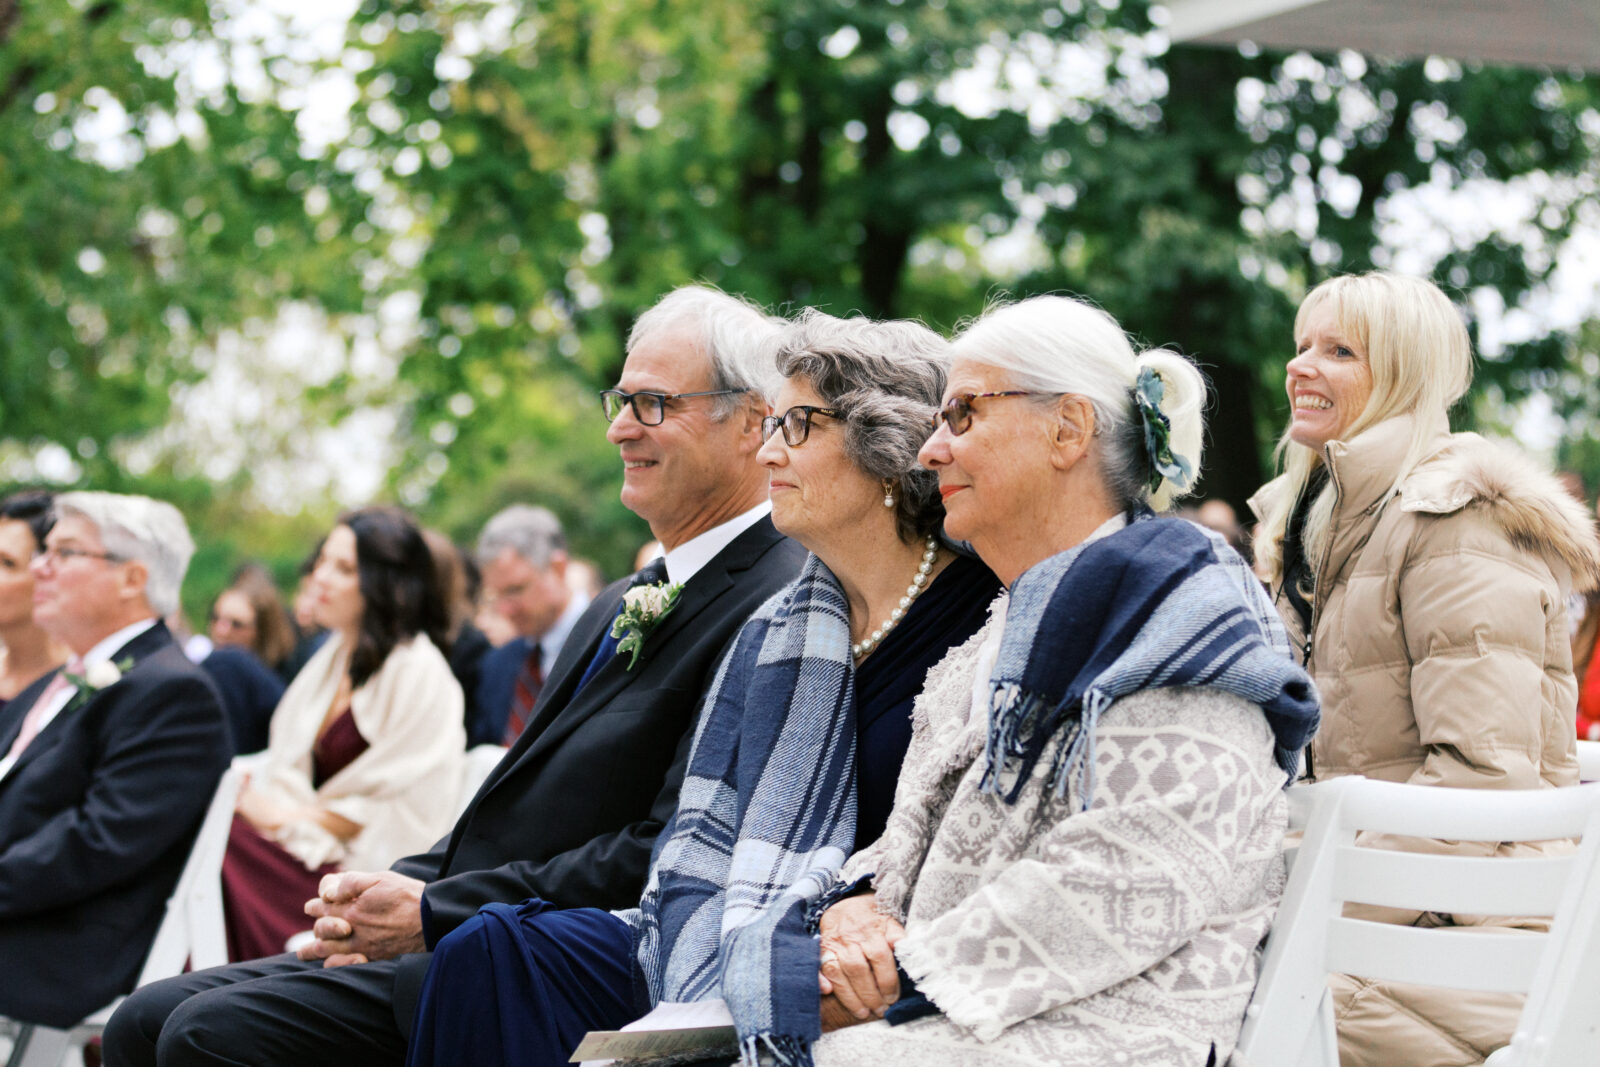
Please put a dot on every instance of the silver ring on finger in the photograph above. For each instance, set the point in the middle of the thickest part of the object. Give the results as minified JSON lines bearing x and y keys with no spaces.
{"x":829,"y":957}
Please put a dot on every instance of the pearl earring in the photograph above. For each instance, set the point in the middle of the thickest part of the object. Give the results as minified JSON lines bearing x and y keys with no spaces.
{"x":888,"y":494}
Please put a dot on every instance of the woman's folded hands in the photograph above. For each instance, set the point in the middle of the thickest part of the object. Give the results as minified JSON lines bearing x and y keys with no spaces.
{"x":858,"y":975}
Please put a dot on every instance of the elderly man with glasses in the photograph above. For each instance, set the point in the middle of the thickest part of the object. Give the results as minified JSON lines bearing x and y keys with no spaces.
{"x":106,"y":766}
{"x":570,"y":815}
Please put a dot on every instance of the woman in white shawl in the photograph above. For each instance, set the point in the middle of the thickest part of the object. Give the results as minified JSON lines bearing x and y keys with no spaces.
{"x":365,"y":742}
{"x":1083,"y":854}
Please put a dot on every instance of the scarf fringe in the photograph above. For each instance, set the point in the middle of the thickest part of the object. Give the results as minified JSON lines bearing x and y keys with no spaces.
{"x":787,"y":1051}
{"x":1022,"y":726}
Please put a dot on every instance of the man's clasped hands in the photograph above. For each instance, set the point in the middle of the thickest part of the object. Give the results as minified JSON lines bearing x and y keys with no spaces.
{"x":377,"y":915}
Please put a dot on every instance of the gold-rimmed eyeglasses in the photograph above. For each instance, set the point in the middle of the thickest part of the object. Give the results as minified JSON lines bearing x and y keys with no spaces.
{"x":957,"y":411}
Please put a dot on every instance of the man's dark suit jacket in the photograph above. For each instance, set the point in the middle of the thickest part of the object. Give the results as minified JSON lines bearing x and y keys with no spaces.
{"x":96,"y":820}
{"x":572,"y":813}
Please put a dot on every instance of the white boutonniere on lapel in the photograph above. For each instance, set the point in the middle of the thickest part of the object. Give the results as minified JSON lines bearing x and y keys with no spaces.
{"x":98,"y":676}
{"x":643,"y":608}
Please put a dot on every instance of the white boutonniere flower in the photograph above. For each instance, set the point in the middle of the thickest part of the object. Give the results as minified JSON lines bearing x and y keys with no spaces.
{"x":643,"y":608}
{"x":98,"y":676}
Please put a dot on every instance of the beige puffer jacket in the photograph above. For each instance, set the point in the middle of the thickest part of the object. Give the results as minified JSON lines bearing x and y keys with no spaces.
{"x":1441,"y":652}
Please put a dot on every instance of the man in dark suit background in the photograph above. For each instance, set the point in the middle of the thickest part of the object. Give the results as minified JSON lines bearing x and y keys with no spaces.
{"x":522,"y":554}
{"x":106,"y":767}
{"x":573,"y":810}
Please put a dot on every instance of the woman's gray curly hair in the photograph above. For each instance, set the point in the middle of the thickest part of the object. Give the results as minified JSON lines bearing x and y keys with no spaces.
{"x":887,"y":378}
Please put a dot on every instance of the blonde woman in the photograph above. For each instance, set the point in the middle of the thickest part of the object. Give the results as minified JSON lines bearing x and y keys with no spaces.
{"x":1423,"y":575}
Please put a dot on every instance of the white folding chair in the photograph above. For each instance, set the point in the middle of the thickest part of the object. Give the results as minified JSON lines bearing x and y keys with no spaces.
{"x":1589,"y":761}
{"x":1290,"y":1019}
{"x":191,"y":930}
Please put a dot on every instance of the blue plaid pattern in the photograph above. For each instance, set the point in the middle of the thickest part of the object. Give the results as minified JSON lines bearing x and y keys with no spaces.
{"x":765,"y":819}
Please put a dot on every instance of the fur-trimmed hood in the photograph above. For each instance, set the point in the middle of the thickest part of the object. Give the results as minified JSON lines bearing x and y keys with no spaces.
{"x":1526,"y":501}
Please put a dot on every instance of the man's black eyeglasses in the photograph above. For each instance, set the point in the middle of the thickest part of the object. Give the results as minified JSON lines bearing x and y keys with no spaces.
{"x":957,"y":411}
{"x":795,"y":423}
{"x":651,"y":408}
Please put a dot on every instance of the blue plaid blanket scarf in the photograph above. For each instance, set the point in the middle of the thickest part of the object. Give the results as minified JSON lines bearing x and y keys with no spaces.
{"x":765,"y":819}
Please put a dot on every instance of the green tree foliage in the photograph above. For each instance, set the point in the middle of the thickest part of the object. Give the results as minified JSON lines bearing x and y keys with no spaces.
{"x":821,"y":153}
{"x":518,"y":180}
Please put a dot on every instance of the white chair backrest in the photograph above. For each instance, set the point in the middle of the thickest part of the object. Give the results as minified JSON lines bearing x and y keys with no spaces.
{"x":481,"y":759}
{"x":1589,"y":761}
{"x":1289,"y":1021}
{"x":192,"y":929}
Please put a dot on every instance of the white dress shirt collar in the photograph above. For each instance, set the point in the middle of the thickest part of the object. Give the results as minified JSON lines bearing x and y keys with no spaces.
{"x":685,"y":561}
{"x":100,"y":653}
{"x":110,"y":646}
{"x":552,"y":640}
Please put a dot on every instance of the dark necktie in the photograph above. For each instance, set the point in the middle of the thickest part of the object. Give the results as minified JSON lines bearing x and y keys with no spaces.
{"x":530,"y":679}
{"x":653,"y":573}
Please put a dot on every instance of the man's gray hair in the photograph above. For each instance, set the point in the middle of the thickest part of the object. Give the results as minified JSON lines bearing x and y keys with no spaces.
{"x":139,"y":528}
{"x":531,"y":532}
{"x":887,"y":378}
{"x":733,"y":333}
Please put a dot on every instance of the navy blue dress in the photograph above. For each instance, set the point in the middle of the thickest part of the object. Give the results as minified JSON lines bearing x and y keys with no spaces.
{"x":521,"y":984}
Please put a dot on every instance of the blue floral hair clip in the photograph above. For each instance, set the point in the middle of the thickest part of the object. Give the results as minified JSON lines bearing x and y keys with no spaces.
{"x":1147,"y":391}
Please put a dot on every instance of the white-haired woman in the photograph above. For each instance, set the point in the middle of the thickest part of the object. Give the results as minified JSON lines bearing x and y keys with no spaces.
{"x":796,"y":753}
{"x":1424,"y":576}
{"x":1084,"y":849}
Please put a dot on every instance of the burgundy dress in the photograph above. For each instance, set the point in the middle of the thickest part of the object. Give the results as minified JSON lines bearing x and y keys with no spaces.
{"x":264,"y":888}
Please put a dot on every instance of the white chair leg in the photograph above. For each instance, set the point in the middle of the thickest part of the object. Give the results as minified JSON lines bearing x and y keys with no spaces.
{"x":39,"y":1046}
{"x":1325,"y":1052}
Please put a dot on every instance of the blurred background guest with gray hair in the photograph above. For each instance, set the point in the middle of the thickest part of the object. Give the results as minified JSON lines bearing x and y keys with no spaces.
{"x":522,"y":554}
{"x":106,"y":766}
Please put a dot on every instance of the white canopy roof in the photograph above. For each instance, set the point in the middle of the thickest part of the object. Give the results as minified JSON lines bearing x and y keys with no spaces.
{"x":1543,"y":33}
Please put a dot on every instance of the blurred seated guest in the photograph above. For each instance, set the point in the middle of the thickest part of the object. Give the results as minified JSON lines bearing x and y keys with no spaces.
{"x":584,"y":577}
{"x":468,"y":646}
{"x":250,"y":614}
{"x":27,"y":652}
{"x":249,"y":633}
{"x":1585,"y":664}
{"x":495,"y":627}
{"x":1586,"y":667}
{"x":365,"y":752}
{"x":647,"y":552}
{"x":795,"y":760}
{"x":1219,"y":517}
{"x":106,"y":766}
{"x":308,"y":633}
{"x":1424,"y":574}
{"x":1085,"y":848}
{"x":522,"y":554}
{"x":250,"y":694}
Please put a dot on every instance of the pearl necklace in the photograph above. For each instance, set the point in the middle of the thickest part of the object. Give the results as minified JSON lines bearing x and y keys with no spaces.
{"x":914,"y":590}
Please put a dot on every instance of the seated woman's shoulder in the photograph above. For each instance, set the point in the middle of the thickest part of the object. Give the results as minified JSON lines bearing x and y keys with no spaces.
{"x":1221,"y":717}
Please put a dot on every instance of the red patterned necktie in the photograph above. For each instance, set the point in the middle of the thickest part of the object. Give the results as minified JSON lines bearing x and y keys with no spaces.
{"x":33,"y":722}
{"x":530,"y":679}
